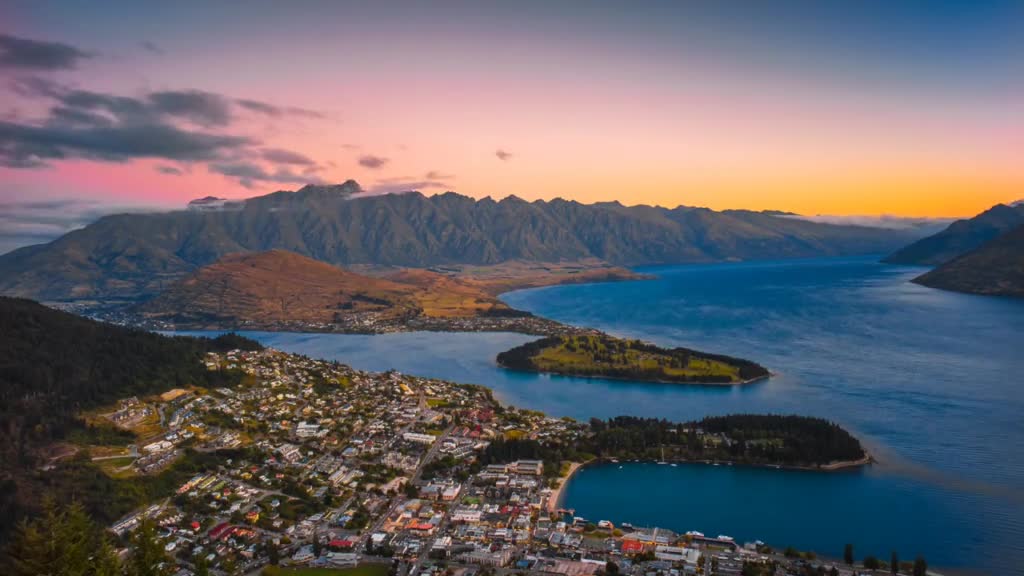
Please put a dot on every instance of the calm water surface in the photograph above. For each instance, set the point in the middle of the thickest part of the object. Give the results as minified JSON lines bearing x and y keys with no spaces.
{"x":930,"y":380}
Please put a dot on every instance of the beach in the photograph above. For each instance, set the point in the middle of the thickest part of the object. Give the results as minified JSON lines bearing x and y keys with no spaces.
{"x":556,"y":494}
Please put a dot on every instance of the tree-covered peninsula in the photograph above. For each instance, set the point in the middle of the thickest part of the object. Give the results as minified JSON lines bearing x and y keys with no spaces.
{"x":754,"y":439}
{"x":604,"y":356}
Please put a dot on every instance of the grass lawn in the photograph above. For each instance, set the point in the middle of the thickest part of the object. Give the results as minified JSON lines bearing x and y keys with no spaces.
{"x":361,"y":570}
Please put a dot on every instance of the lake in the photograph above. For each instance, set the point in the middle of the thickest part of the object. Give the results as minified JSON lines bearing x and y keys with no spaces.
{"x":929,"y":380}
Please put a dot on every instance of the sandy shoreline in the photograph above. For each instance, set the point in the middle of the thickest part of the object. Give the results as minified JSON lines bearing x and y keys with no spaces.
{"x":556,"y":495}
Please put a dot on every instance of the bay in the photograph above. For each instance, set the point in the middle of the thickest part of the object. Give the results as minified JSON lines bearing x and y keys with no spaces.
{"x":930,"y":380}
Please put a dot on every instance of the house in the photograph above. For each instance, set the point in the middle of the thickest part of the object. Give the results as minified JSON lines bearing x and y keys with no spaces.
{"x":632,"y":547}
{"x":307,"y":430}
{"x":303,"y":555}
{"x":418,"y":438}
{"x":486,"y":558}
{"x":342,"y":559}
{"x":533,"y":467}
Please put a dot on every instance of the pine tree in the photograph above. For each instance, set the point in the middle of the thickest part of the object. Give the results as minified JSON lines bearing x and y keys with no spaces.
{"x":848,"y":554}
{"x":77,"y":536}
{"x":61,"y":542}
{"x":920,"y":566}
{"x":147,"y":555}
{"x":27,"y":551}
{"x":106,"y":562}
{"x":894,"y":563}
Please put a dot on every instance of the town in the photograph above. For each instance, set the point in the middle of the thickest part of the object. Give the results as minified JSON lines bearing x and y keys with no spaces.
{"x":323,"y":466}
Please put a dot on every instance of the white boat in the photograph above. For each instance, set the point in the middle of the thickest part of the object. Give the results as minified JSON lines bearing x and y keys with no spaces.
{"x":674,"y":465}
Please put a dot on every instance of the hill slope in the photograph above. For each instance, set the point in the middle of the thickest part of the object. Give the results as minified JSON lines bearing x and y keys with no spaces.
{"x":960,"y":237}
{"x":54,"y":364}
{"x":138,"y":255}
{"x":996,"y":268}
{"x":279,"y":287}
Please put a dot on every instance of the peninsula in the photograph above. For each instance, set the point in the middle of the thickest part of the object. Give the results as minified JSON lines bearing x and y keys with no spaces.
{"x":278,"y":290}
{"x":604,"y":356}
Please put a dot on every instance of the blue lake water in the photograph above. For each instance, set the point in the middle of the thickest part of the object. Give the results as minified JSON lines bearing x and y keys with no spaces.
{"x":930,"y":380}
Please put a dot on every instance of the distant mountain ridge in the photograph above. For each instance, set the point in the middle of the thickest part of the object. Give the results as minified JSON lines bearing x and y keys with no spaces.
{"x":134,"y":256}
{"x":961,"y":237}
{"x":996,"y":268}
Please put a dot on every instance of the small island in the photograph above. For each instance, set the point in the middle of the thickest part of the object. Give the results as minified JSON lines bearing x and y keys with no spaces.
{"x":604,"y":356}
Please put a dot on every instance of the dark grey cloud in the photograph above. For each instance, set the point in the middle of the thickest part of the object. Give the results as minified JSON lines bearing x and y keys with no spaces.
{"x":28,"y":54}
{"x":204,"y":108}
{"x":279,"y":156}
{"x":503,"y":155}
{"x":171,"y":170}
{"x":150,"y":46}
{"x":183,"y":126}
{"x":195,"y":106}
{"x":36,"y":222}
{"x":248,"y":173}
{"x":273,"y":111}
{"x":25,"y":146}
{"x":372,"y":162}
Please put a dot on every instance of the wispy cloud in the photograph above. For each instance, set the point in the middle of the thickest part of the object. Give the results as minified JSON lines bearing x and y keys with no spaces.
{"x":267,"y":109}
{"x":171,"y":170}
{"x":279,"y":156}
{"x":36,"y":222}
{"x":879,"y":221}
{"x":400,"y":185}
{"x":249,"y":173}
{"x":437,"y":175}
{"x":152,"y":47}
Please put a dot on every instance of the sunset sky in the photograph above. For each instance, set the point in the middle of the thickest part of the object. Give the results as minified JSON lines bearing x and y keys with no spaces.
{"x":852,"y":108}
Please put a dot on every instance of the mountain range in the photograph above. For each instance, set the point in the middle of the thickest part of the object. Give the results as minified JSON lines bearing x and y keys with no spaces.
{"x":960,"y":237}
{"x":979,"y":255}
{"x":994,"y":268}
{"x":135,"y":256}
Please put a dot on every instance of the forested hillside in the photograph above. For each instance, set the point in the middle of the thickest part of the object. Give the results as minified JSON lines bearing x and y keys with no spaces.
{"x":53,"y":365}
{"x":764,"y":439}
